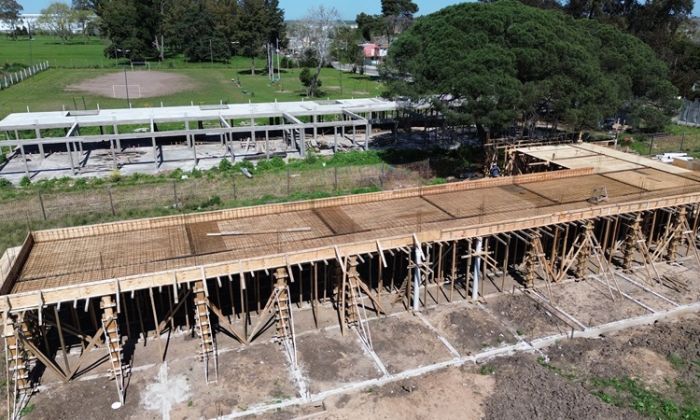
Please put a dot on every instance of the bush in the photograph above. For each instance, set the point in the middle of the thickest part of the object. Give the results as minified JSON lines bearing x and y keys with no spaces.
{"x":25,"y":182}
{"x":274,"y":164}
{"x":4,"y":183}
{"x":225,"y":165}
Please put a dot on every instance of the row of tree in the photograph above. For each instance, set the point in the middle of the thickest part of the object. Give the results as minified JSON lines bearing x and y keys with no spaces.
{"x":202,"y":30}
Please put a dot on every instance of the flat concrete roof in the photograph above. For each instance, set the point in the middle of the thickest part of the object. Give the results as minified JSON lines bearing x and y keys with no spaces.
{"x":106,"y":117}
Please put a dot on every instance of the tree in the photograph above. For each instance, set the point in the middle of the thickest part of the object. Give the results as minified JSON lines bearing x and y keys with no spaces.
{"x":58,"y":18}
{"x":370,"y":25}
{"x":252,"y":29}
{"x":132,"y":26}
{"x":491,"y":64}
{"x":345,"y":45}
{"x":310,"y":81}
{"x":10,"y":13}
{"x":398,"y":15}
{"x":659,"y":23}
{"x":319,"y":27}
{"x":199,"y":37}
{"x":82,"y":14}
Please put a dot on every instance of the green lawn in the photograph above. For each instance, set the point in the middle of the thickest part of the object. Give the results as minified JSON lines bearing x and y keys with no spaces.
{"x":47,"y":90}
{"x":83,"y":58}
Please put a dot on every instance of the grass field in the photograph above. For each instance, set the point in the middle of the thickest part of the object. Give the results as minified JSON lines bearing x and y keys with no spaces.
{"x":47,"y":91}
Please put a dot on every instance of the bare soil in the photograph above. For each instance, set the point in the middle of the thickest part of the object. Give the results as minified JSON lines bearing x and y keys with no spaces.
{"x":590,"y":302}
{"x":470,"y":330}
{"x":142,"y":84}
{"x":329,"y":359}
{"x":525,"y":390}
{"x":644,"y":353}
{"x":406,"y":343}
{"x":526,"y":316}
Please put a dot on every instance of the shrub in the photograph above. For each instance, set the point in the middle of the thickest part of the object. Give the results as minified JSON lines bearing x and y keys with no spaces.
{"x":25,"y":182}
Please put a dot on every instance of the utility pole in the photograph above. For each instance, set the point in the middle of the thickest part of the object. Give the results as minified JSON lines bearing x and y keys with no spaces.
{"x":126,"y":86}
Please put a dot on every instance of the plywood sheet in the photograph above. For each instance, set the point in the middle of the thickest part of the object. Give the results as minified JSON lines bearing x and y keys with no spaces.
{"x":579,"y":189}
{"x":651,"y":179}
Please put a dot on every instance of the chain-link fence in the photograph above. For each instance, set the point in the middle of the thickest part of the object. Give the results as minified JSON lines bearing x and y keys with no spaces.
{"x":202,"y":193}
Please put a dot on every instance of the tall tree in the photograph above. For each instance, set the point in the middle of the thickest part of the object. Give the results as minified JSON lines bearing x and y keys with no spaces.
{"x":132,"y":26}
{"x":398,"y":15}
{"x":10,"y":13}
{"x":528,"y":64}
{"x":58,"y":18}
{"x":276,"y":28}
{"x":320,"y":25}
{"x":252,"y":28}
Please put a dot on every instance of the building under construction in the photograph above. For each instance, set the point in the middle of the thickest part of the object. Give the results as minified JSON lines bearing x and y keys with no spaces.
{"x":574,"y":211}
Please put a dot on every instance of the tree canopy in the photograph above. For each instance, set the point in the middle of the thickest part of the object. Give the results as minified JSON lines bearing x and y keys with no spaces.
{"x":662,"y":24}
{"x":201,"y":29}
{"x":492,"y":64}
{"x":10,"y":12}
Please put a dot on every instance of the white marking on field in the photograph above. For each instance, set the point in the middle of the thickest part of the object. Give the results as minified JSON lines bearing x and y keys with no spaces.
{"x":166,"y":392}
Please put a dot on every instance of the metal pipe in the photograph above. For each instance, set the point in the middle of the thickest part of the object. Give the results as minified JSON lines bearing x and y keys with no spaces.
{"x":477,"y":269}
{"x":416,"y":276}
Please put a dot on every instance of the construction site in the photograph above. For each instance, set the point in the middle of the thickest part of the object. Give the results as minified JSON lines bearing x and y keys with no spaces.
{"x":150,"y":140}
{"x":290,"y":309}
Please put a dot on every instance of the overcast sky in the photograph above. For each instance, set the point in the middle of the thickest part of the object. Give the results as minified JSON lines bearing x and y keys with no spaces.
{"x":295,"y":9}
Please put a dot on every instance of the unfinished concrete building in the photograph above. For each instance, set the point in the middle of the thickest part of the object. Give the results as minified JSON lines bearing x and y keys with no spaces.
{"x":92,"y":142}
{"x":232,"y":274}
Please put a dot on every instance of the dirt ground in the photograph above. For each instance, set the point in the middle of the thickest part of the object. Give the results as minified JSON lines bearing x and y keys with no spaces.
{"x":469,"y":329}
{"x":391,"y":341}
{"x":330,"y":359}
{"x":527,"y":317}
{"x":142,"y":84}
{"x":651,"y":371}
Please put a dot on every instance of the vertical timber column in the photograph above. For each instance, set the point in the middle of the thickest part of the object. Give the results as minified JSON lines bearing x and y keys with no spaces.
{"x":18,"y":385}
{"x":584,"y":254}
{"x":530,"y":266}
{"x":203,"y":326}
{"x":678,"y":236}
{"x":113,"y":342}
{"x":630,"y":242}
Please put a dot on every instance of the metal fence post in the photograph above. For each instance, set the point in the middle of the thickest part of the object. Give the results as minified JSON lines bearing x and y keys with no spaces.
{"x":41,"y":203}
{"x":335,"y":179}
{"x":111,"y":201}
{"x":176,"y":205}
{"x":235,"y":193}
{"x":288,"y":181}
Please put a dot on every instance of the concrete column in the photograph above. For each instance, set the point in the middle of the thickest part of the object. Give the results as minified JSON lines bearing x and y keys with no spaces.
{"x":315,"y":121}
{"x":335,"y":139}
{"x":37,"y":132}
{"x":194,"y":150}
{"x":155,"y":153}
{"x":477,"y":270}
{"x":70,"y":155}
{"x":24,"y":157}
{"x":302,"y":143}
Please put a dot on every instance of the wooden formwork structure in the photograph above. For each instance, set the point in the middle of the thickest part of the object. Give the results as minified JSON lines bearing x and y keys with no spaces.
{"x":420,"y":261}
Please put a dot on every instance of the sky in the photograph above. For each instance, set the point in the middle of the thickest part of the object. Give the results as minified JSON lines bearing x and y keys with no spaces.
{"x":295,"y":9}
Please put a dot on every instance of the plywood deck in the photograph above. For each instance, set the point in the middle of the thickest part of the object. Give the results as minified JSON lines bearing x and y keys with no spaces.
{"x":96,"y":256}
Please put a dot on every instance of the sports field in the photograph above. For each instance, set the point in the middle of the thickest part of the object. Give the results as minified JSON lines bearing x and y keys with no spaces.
{"x":231,"y":83}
